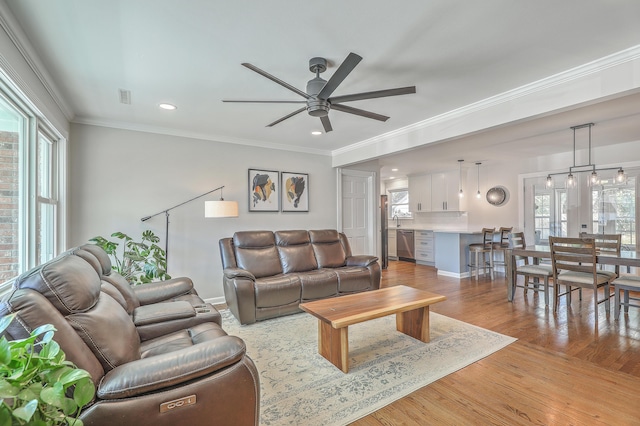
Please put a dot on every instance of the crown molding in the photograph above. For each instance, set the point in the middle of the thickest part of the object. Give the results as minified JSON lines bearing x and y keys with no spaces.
{"x":195,"y":135}
{"x":624,"y":56}
{"x":21,"y":42}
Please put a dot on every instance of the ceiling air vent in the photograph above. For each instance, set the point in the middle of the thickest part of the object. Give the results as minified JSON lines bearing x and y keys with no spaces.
{"x":125,"y":96}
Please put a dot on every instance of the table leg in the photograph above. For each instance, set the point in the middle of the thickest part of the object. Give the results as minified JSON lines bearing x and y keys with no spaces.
{"x":414,"y":323}
{"x":510,"y":272}
{"x":333,"y":344}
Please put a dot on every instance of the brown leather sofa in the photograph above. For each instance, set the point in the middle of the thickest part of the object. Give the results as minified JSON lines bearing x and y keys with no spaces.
{"x":181,"y":373}
{"x":268,"y":274}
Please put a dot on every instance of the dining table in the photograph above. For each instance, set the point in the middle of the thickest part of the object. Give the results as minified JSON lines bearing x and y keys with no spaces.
{"x":628,"y":258}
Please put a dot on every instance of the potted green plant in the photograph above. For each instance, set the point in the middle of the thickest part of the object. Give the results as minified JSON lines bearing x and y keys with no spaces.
{"x":38,"y":386}
{"x":139,"y":262}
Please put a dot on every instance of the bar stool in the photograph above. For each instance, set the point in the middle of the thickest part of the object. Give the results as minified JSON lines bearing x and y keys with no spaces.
{"x":484,"y":248}
{"x":501,"y":246}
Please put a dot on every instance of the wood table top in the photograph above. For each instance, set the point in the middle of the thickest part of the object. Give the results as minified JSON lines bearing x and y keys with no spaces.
{"x":355,"y":308}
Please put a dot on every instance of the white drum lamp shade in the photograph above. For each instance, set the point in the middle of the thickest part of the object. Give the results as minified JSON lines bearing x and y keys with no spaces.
{"x":221,"y":208}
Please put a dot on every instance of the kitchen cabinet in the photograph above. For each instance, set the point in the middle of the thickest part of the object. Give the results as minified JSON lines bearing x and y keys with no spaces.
{"x":444,"y":191}
{"x":424,"y":247}
{"x":392,"y":243}
{"x":420,"y":193}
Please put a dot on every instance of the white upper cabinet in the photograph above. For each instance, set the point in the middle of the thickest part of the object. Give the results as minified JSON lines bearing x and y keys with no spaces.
{"x":444,"y":191}
{"x":420,"y":193}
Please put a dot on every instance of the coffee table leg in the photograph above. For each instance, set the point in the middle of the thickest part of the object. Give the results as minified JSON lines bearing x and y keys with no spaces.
{"x":414,"y":323}
{"x":333,"y":344}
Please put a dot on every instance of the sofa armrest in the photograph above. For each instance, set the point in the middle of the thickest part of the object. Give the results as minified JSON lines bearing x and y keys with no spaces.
{"x":361,"y":260}
{"x":156,"y":312}
{"x":161,"y":291}
{"x":232,"y":273}
{"x":167,"y":370}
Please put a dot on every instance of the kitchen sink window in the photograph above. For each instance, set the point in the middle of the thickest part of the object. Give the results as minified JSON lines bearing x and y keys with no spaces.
{"x":399,"y":204}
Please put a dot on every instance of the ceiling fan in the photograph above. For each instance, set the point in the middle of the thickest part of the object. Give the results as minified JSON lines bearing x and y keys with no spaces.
{"x":318,"y":95}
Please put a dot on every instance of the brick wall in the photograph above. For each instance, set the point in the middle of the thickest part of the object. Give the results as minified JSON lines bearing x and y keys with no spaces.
{"x":9,"y":203}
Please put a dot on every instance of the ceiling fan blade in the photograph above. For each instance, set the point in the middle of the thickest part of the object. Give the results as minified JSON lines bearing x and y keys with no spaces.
{"x":360,"y":112}
{"x":276,"y":79}
{"x":264,"y":102}
{"x":341,"y":73}
{"x":371,"y":95}
{"x":298,"y":111}
{"x":326,"y":123}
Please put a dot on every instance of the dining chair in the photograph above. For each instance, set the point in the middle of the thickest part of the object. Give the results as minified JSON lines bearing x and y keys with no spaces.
{"x":607,"y":243}
{"x":573,"y":261}
{"x":484,"y":248}
{"x":501,"y":246}
{"x":532,"y":273}
{"x":625,"y":283}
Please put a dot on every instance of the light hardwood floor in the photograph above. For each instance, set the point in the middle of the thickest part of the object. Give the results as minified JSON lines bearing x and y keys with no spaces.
{"x":561,"y":371}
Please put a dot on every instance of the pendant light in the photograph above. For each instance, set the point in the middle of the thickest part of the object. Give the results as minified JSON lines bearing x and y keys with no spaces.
{"x":460,"y":193}
{"x":478,"y":194}
{"x":594,"y":178}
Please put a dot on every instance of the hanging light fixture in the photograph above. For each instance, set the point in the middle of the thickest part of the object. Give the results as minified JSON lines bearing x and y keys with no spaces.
{"x":460,"y":193}
{"x":478,"y":194}
{"x":594,"y":178}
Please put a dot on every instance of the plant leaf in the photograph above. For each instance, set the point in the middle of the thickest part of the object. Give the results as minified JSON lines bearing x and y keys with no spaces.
{"x":26,"y":411}
{"x":84,"y":392}
{"x":5,"y":321}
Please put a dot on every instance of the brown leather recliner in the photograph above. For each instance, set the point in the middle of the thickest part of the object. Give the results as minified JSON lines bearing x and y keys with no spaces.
{"x":156,"y":308}
{"x":197,"y":375}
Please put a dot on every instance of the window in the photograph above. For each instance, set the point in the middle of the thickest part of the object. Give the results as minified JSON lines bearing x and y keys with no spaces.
{"x":613,"y":210}
{"x":400,"y":203}
{"x":608,"y":207}
{"x":29,"y":185}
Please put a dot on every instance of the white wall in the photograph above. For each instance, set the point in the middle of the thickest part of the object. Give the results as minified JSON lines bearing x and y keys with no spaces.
{"x":119,"y":176}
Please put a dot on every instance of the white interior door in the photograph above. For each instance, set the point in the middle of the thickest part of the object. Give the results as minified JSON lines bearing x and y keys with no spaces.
{"x":357,"y":210}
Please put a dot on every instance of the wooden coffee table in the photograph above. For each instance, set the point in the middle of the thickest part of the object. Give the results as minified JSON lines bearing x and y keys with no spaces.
{"x":335,"y":315}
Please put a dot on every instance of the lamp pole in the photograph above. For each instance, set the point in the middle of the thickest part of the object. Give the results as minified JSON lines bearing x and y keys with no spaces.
{"x":166,"y":213}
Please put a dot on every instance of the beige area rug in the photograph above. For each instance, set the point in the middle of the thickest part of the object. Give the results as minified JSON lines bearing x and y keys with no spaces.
{"x":300,"y":387}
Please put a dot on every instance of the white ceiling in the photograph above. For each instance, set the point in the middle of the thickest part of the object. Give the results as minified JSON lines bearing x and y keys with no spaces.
{"x":456,"y":52}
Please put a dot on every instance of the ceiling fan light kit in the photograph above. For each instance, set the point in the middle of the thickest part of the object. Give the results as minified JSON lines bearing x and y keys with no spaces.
{"x":318,"y":95}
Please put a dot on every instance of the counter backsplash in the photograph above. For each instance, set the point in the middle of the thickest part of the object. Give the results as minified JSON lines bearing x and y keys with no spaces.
{"x":444,"y":221}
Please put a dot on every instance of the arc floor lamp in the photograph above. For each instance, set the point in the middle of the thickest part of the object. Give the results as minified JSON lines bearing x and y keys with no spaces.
{"x":219,"y":208}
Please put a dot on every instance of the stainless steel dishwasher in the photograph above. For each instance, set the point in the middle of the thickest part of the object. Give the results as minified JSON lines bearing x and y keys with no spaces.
{"x":405,"y":245}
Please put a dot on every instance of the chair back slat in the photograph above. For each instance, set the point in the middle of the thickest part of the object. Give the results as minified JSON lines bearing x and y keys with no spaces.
{"x":606,"y":242}
{"x":517,"y":241}
{"x":573,"y":254}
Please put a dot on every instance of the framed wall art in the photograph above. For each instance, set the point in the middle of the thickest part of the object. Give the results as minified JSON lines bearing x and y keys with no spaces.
{"x":263,"y":190}
{"x":295,"y":192}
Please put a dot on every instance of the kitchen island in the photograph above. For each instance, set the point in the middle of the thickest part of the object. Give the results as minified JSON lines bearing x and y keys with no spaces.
{"x":452,"y":251}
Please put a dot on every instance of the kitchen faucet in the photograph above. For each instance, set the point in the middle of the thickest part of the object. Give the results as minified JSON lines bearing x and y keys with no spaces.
{"x":395,"y":216}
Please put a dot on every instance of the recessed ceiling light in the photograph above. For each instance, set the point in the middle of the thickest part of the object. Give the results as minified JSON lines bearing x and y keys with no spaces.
{"x":392,"y":177}
{"x":394,"y":170}
{"x":169,"y":107}
{"x":316,"y":133}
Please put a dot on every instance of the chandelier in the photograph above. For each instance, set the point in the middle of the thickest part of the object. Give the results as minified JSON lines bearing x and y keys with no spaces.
{"x":594,"y":179}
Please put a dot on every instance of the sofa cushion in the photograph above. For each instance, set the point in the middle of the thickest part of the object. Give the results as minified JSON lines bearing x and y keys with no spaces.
{"x":277,"y":290}
{"x":318,"y":284}
{"x":70,"y":283}
{"x":327,"y":248}
{"x":114,"y":345}
{"x":256,"y":252}
{"x":353,"y":279}
{"x":296,"y":253}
